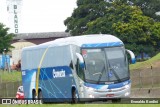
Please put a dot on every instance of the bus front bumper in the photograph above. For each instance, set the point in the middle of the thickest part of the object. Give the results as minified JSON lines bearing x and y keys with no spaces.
{"x":122,"y":92}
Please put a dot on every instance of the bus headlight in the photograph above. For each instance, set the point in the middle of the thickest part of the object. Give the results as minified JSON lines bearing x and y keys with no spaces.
{"x":126,"y":86}
{"x":91,"y":96}
{"x":126,"y":94}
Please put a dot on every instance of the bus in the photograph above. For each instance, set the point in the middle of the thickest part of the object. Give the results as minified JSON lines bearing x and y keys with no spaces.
{"x":77,"y":68}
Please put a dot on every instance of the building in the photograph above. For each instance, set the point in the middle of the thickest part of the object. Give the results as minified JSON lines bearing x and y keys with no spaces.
{"x":22,"y":40}
{"x":38,"y":38}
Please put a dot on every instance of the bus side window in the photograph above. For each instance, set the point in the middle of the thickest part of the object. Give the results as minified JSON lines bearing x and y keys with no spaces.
{"x":79,"y":71}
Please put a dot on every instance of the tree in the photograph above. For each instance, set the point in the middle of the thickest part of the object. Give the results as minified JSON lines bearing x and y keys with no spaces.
{"x":5,"y":39}
{"x":137,"y":31}
{"x":119,"y":18}
{"x":88,"y":10}
{"x":149,"y":7}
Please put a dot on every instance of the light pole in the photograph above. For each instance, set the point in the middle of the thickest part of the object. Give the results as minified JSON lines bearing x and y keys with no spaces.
{"x":5,"y":59}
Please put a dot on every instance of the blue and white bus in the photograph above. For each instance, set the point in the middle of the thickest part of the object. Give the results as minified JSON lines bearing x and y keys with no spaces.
{"x":74,"y":68}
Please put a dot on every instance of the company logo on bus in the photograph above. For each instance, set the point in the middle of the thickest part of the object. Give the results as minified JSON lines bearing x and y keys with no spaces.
{"x":58,"y":74}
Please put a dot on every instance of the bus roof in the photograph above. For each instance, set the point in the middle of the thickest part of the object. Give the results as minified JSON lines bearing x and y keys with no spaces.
{"x":92,"y":40}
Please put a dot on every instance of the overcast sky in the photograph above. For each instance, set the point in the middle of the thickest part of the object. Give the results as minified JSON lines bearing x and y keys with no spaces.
{"x":43,"y":15}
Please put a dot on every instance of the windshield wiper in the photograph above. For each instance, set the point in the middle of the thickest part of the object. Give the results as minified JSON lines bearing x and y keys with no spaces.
{"x":101,"y":75}
{"x":114,"y":72}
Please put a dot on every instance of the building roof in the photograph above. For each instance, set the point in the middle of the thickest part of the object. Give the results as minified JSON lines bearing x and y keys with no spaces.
{"x":40,"y":35}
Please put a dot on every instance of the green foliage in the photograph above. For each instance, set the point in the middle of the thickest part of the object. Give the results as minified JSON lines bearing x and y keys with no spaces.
{"x":121,"y":18}
{"x":87,"y":11}
{"x":140,"y":33}
{"x":13,"y":76}
{"x":149,"y":7}
{"x":145,"y":64}
{"x":5,"y":39}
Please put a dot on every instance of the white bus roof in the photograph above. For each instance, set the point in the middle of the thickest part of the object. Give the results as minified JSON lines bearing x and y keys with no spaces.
{"x":91,"y":40}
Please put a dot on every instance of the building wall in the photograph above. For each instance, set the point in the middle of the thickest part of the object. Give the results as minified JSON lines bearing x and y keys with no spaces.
{"x":16,"y":51}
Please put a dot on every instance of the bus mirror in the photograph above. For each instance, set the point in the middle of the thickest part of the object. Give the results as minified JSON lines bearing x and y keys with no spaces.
{"x":133,"y":59}
{"x":81,"y":61}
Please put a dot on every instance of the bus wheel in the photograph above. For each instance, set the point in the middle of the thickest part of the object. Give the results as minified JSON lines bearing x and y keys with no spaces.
{"x":74,"y":96}
{"x":40,"y":96}
{"x":33,"y":95}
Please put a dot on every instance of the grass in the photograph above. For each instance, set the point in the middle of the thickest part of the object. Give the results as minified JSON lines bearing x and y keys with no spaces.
{"x":13,"y":76}
{"x":150,"y":62}
{"x":85,"y":105}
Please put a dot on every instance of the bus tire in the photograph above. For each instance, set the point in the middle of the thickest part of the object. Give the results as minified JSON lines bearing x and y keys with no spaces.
{"x":33,"y":95}
{"x":40,"y":97}
{"x":74,"y":97}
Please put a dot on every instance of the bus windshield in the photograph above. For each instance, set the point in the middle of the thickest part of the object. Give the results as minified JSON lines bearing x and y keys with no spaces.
{"x":106,"y":65}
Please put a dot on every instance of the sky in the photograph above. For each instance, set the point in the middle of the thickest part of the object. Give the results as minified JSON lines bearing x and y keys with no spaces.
{"x":43,"y":15}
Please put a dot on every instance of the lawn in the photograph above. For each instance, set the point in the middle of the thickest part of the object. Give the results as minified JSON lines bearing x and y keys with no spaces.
{"x":85,"y":105}
{"x":147,"y":63}
{"x":13,"y":76}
